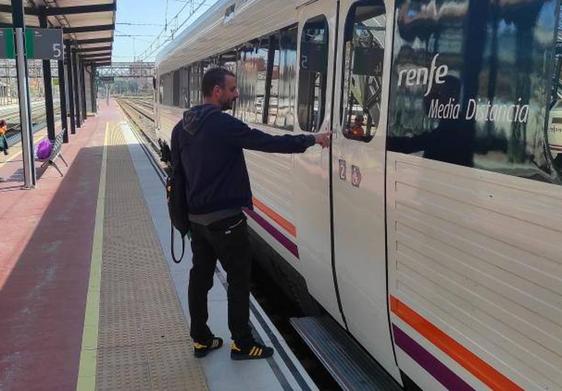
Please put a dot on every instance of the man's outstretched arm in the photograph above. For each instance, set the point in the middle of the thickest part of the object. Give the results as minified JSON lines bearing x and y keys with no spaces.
{"x":239,"y":134}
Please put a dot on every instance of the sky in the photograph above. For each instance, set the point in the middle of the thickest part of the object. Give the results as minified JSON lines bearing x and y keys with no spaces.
{"x":139,"y":22}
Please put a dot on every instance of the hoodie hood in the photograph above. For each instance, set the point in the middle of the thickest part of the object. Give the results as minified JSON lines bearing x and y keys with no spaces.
{"x":194,"y":118}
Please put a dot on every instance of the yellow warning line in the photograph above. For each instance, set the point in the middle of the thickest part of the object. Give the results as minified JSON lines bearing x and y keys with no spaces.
{"x":88,"y":354}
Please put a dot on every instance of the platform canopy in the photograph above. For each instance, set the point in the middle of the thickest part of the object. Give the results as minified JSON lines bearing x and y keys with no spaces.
{"x":88,"y":24}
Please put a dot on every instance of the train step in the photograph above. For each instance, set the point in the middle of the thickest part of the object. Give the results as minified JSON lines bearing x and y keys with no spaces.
{"x":347,"y":362}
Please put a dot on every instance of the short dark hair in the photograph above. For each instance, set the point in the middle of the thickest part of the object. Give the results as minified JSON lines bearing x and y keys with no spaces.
{"x":214,"y":77}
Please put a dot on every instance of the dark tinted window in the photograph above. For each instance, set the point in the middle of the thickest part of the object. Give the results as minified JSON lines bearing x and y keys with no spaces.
{"x":363,"y":65}
{"x":176,"y":88}
{"x":167,"y":89}
{"x":472,"y":84}
{"x":184,"y":87}
{"x":313,"y":74}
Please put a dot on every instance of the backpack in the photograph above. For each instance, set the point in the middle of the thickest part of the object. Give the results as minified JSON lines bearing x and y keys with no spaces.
{"x":44,"y":149}
{"x":176,"y":197}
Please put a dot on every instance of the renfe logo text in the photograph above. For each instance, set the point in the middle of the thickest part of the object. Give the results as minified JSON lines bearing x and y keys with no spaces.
{"x":423,"y":76}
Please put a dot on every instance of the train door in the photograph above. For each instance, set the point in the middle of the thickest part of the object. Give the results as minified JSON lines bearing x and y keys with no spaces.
{"x":311,"y":193}
{"x":358,"y":169}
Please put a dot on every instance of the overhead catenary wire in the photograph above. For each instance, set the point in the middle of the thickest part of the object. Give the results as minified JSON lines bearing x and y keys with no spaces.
{"x":164,"y":36}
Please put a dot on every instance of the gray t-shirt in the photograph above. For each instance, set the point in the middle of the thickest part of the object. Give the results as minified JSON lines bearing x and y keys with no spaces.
{"x":210,"y":218}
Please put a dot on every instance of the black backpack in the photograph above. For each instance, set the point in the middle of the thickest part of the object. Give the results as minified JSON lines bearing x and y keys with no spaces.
{"x":177,"y":199}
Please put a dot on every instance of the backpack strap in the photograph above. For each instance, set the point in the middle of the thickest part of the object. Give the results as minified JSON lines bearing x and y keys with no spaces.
{"x":176,"y":260}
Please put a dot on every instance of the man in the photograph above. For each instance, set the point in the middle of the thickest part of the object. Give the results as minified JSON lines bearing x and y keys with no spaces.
{"x":357,"y":130}
{"x":208,"y":145}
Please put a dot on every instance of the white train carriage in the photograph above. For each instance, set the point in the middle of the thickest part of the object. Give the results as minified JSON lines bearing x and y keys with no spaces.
{"x":431,"y":230}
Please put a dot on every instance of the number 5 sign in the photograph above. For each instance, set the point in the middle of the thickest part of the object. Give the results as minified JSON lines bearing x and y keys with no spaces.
{"x":44,"y":44}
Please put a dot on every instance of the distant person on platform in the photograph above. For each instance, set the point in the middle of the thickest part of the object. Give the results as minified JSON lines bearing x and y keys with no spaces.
{"x":208,"y":144}
{"x":3,"y":139}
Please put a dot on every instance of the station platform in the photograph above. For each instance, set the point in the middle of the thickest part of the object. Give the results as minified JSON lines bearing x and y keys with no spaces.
{"x":89,"y":295}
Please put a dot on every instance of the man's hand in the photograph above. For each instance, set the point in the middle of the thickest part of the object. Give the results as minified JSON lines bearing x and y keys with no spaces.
{"x":323,"y":139}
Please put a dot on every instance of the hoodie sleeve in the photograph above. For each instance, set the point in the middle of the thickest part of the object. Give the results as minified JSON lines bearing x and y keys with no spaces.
{"x":175,"y":148}
{"x":237,"y":133}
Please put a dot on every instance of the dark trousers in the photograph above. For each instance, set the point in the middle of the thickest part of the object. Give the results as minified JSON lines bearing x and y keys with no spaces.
{"x":228,"y":241}
{"x":4,"y":144}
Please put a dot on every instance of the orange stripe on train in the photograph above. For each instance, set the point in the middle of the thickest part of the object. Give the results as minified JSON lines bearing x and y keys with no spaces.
{"x":472,"y":363}
{"x":287,"y":226}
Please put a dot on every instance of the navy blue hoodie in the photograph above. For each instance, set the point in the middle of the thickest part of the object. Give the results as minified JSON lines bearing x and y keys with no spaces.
{"x":210,"y":144}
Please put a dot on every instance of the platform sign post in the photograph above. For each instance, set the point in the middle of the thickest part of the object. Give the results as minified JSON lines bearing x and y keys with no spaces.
{"x":47,"y":76}
{"x":30,"y":178}
{"x":18,"y":22}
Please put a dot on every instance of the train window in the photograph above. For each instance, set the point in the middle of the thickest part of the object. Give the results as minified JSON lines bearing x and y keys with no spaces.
{"x":260,"y":61}
{"x":362,"y":70}
{"x":498,"y":114}
{"x":313,"y":74}
{"x":287,"y":65}
{"x":553,"y":142}
{"x":228,"y":61}
{"x":245,"y":83}
{"x":167,"y":90}
{"x":195,"y":77}
{"x":176,"y":88}
{"x":184,"y":87}
{"x":252,"y":75}
{"x":272,"y":82}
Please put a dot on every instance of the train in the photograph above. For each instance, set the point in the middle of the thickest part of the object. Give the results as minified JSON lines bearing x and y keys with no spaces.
{"x":431,"y":229}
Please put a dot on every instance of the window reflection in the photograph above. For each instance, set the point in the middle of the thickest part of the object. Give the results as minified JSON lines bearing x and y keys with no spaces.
{"x":252,"y":72}
{"x":364,"y":54}
{"x":505,"y":118}
{"x":313,"y":73}
{"x":195,"y":77}
{"x":184,"y":87}
{"x":228,"y":61}
{"x":166,"y":81}
{"x":287,"y":75}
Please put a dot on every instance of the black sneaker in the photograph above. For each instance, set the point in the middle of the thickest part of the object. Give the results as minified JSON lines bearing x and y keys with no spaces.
{"x":201,"y":350}
{"x":253,"y":351}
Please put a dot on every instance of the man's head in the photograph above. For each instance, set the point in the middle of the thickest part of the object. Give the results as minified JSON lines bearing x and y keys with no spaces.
{"x":219,"y":87}
{"x":359,"y":119}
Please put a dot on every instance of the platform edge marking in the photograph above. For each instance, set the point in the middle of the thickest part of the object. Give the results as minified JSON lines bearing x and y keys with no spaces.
{"x":88,"y":351}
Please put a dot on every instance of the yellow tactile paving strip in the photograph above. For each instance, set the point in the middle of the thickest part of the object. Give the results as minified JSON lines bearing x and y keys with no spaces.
{"x":143,"y":340}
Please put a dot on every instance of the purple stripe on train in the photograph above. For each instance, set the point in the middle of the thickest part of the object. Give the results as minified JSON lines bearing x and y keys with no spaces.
{"x":436,"y":368}
{"x":292,"y":247}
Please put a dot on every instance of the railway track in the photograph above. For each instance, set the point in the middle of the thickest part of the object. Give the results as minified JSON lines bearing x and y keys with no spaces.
{"x":278,"y":307}
{"x":140,"y":113}
{"x":38,"y":120}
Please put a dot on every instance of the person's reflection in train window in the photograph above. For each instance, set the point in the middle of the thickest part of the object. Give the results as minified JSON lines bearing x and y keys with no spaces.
{"x":452,"y":141}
